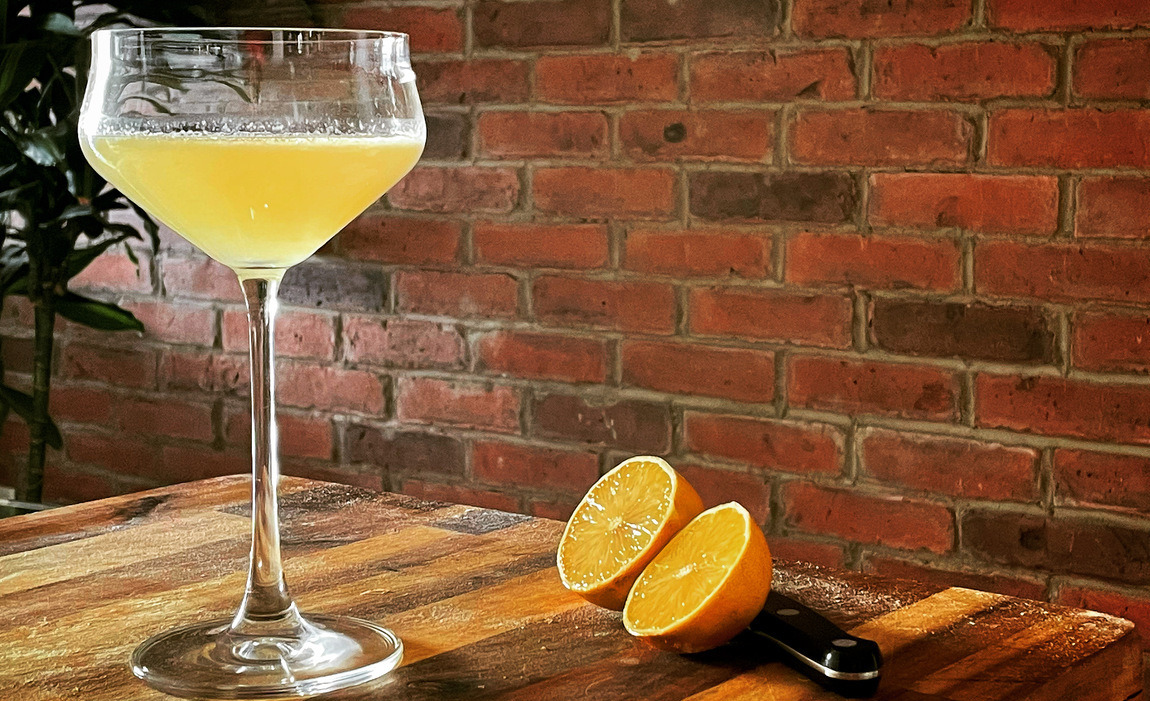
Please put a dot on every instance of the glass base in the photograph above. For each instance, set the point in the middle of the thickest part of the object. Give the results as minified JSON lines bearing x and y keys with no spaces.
{"x":205,"y":660}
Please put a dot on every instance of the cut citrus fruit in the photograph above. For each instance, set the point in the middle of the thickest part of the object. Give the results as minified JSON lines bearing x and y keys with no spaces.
{"x":621,"y":524}
{"x":705,"y":586}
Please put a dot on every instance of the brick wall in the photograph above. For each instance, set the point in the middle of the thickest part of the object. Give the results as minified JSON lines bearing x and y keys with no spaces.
{"x":878,"y":270}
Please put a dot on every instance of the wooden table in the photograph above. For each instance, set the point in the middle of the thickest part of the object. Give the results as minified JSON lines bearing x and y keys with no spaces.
{"x":475,"y":596}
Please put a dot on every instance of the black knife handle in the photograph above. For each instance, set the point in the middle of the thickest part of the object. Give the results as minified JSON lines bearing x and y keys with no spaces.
{"x":837,"y":660}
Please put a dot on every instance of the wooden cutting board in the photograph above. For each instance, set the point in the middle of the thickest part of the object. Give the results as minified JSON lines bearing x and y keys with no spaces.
{"x":476,"y":599}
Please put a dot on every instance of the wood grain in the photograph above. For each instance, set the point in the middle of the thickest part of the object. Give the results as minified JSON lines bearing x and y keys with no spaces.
{"x":475,"y":597}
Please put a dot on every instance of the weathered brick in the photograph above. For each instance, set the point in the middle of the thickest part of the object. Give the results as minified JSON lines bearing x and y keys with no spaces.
{"x":965,"y":330}
{"x":542,"y":356}
{"x":166,"y":417}
{"x":660,"y":135}
{"x":1057,"y":15}
{"x":1113,"y":68}
{"x":1062,"y":272}
{"x":474,"y":81}
{"x":299,"y":436}
{"x":465,"y":404}
{"x":199,"y":277}
{"x":18,"y":354}
{"x":556,"y":509}
{"x":66,"y":485}
{"x":819,"y":320}
{"x":114,"y":271}
{"x":606,"y":79}
{"x":166,"y":320}
{"x":954,"y":466}
{"x":1061,"y":407}
{"x":731,"y":373}
{"x":1106,"y":479}
{"x":656,"y":20}
{"x":299,"y":334}
{"x":804,"y":550}
{"x":880,"y":137}
{"x":1002,"y":204}
{"x":207,"y":372}
{"x":456,"y":294}
{"x":119,"y":454}
{"x":543,"y":134}
{"x":463,"y":189}
{"x":871,"y":519}
{"x":535,"y":467}
{"x":716,"y":486}
{"x":1111,"y":342}
{"x":772,"y":76}
{"x":945,"y":575}
{"x":755,"y":197}
{"x":698,"y":253}
{"x":334,"y":286}
{"x":1060,"y":544}
{"x":401,"y":342}
{"x":328,"y":388}
{"x":404,"y":451}
{"x":627,"y":424}
{"x":448,"y":136}
{"x":1073,"y":138}
{"x":519,"y":25}
{"x":432,"y":29}
{"x":860,"y":387}
{"x":605,"y":192}
{"x":966,"y":71}
{"x":403,"y":241}
{"x":1113,"y":208}
{"x":459,"y":494}
{"x":879,"y":262}
{"x":771,"y":444}
{"x":325,"y":472}
{"x":878,"y":18}
{"x":80,"y":404}
{"x":196,"y":462}
{"x":624,"y":306}
{"x":116,"y":366}
{"x":540,"y":245}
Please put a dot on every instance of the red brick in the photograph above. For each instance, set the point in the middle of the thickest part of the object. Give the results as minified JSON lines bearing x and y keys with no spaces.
{"x":166,"y":417}
{"x":966,"y":71}
{"x":329,"y":388}
{"x":1074,"y":138}
{"x":116,"y":366}
{"x":80,"y":404}
{"x":543,"y":135}
{"x":411,"y":452}
{"x":448,"y":136}
{"x":554,"y":509}
{"x":518,"y":25}
{"x":785,"y":446}
{"x":463,"y":189}
{"x":698,"y":253}
{"x":460,"y":494}
{"x":165,"y":320}
{"x":200,"y":277}
{"x":542,"y":356}
{"x":456,"y":294}
{"x":730,"y":373}
{"x":1111,"y":343}
{"x":208,"y":372}
{"x":954,"y":466}
{"x":1113,"y":68}
{"x":1067,"y":272}
{"x":402,"y":241}
{"x":179,"y":463}
{"x":881,"y":262}
{"x":68,"y":485}
{"x":965,"y":330}
{"x":767,"y":197}
{"x":474,"y":81}
{"x":299,"y":436}
{"x":771,"y":315}
{"x":118,"y":453}
{"x":717,"y":486}
{"x":1113,"y":208}
{"x":802,"y":550}
{"x":655,"y":20}
{"x":540,"y":245}
{"x":605,"y":192}
{"x":623,"y":306}
{"x":627,"y":424}
{"x":878,"y":18}
{"x":324,"y":472}
{"x":664,"y":135}
{"x":948,"y":576}
{"x":859,"y":387}
{"x":18,"y":354}
{"x":431,"y":29}
{"x":779,"y":75}
{"x":299,"y":334}
{"x":538,"y":468}
{"x":401,"y":342}
{"x":1102,"y":479}
{"x":606,"y":79}
{"x":114,"y":271}
{"x":1054,"y":15}
{"x":335,"y":285}
{"x":1055,"y":406}
{"x":1063,"y":544}
{"x":1002,"y":204}
{"x":874,"y":137}
{"x":871,"y":519}
{"x":1134,"y":606}
{"x":466,"y":404}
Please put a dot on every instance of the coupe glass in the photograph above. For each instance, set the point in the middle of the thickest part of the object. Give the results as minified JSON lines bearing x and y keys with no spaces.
{"x":257,"y":145}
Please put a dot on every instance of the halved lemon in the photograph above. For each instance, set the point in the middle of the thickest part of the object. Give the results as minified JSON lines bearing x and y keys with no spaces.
{"x":705,"y":586}
{"x":621,"y":524}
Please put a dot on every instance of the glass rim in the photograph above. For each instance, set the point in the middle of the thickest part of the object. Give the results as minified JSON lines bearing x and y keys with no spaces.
{"x":333,"y":33}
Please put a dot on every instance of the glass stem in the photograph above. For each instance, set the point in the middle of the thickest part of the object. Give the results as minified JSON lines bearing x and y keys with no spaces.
{"x":267,"y":608}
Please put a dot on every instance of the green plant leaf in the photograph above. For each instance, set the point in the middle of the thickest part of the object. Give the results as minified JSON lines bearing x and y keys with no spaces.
{"x":46,"y":146}
{"x":21,"y":403}
{"x":19,"y":64}
{"x":81,"y":258}
{"x":59,"y":23}
{"x":96,"y":314}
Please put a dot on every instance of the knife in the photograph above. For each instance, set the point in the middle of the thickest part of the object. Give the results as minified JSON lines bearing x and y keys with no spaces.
{"x":836,"y":660}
